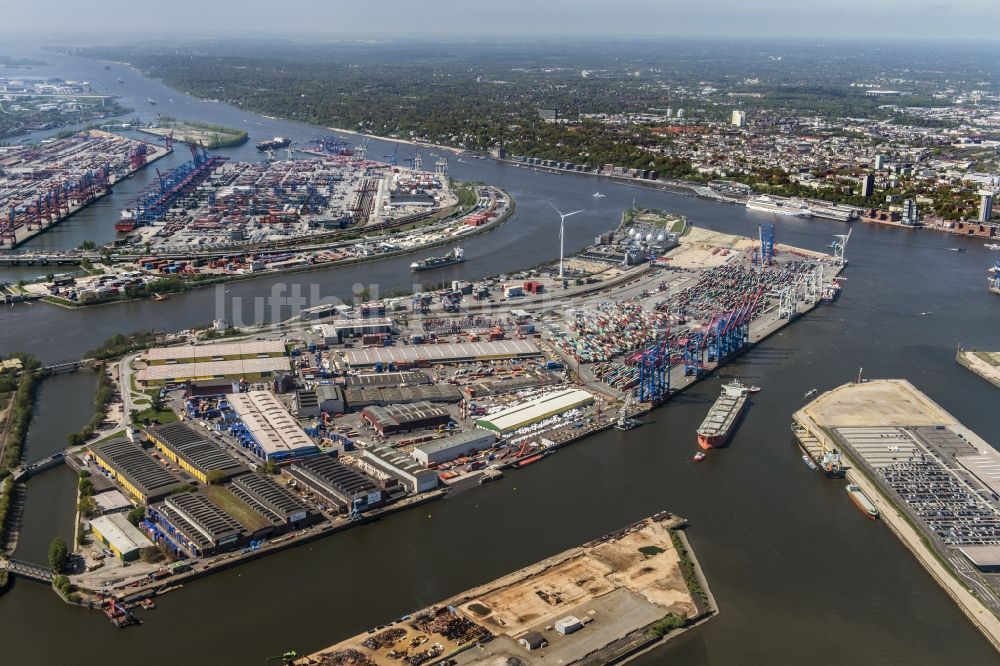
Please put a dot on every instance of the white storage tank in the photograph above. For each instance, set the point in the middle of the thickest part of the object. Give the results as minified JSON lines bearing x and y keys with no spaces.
{"x":567,"y":625}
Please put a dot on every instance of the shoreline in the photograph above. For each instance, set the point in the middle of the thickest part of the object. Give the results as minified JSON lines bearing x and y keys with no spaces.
{"x":620,"y":644}
{"x":158,"y":153}
{"x":910,"y":535}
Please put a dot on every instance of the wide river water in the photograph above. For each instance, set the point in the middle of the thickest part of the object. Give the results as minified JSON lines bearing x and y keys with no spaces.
{"x":801,"y":576}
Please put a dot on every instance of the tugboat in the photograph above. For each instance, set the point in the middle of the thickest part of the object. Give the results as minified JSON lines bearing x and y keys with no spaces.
{"x":698,"y":457}
{"x":274,"y":144}
{"x":456,"y":256}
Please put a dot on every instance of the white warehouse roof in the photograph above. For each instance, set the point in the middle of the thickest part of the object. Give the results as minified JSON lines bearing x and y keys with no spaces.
{"x":272,"y":426}
{"x":986,"y":467}
{"x":535,"y":410}
{"x":234,"y":369}
{"x":120,"y":533}
{"x":208,"y":352}
{"x":442,"y":353}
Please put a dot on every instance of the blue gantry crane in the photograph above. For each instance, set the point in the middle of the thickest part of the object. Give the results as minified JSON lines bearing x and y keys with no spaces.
{"x":765,"y":252}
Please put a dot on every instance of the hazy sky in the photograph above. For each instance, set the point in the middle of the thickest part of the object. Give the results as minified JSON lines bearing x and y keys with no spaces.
{"x":90,"y":19}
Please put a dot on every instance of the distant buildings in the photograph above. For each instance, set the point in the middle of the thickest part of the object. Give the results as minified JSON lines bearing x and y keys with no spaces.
{"x":911,"y":216}
{"x":879,"y":162}
{"x":985,"y":206}
{"x":548,"y":115}
{"x":867,"y":185}
{"x":739,"y":118}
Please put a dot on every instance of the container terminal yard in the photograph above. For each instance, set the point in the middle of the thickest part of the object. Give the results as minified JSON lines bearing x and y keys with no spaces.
{"x":934,"y":483}
{"x":253,"y":203}
{"x":211,"y":220}
{"x":345,"y":413}
{"x":184,"y":255}
{"x":597,"y":603}
{"x":42,"y":185}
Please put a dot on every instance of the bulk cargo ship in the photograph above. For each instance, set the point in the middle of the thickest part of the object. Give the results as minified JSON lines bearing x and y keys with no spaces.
{"x":717,"y":427}
{"x":274,"y":144}
{"x":861,"y":500}
{"x":456,"y":256}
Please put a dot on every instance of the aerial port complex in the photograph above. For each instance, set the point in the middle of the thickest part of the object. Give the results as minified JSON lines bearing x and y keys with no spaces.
{"x":219,"y":451}
{"x":346,"y":413}
{"x":211,"y":219}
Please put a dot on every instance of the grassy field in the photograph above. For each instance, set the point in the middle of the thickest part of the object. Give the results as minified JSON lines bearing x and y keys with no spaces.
{"x":163,"y":416}
{"x":235,"y":508}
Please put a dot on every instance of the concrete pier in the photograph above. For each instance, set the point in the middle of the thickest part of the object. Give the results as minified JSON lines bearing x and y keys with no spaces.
{"x":901,"y":448}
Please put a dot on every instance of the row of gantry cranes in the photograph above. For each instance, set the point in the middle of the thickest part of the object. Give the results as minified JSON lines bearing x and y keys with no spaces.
{"x":727,"y":334}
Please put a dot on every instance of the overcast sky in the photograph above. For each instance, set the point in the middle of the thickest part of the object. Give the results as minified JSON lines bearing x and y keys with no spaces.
{"x":90,"y":20}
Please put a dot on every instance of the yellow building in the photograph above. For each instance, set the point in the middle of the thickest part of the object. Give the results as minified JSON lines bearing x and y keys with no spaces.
{"x":120,"y":536}
{"x":252,"y":361}
{"x":135,"y":470}
{"x":185,"y":446}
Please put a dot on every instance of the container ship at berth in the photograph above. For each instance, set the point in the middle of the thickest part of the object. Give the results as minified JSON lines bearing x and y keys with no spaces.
{"x":861,"y":500}
{"x":274,"y":144}
{"x":456,"y":256}
{"x":717,"y":427}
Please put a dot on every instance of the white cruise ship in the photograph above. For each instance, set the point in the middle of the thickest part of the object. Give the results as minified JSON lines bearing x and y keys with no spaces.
{"x":778,"y":206}
{"x":802,"y":207}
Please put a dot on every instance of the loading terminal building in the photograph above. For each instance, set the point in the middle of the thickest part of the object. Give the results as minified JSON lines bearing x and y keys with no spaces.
{"x":268,"y":498}
{"x":269,"y":431}
{"x":394,"y":419}
{"x":341,"y":486}
{"x":336,"y":331}
{"x":460,"y":352}
{"x":327,"y":398}
{"x":535,"y":410}
{"x":192,"y":452}
{"x":128,"y":463}
{"x":448,"y":448}
{"x":217,"y":363}
{"x":387,"y":379}
{"x":358,"y":397}
{"x":387,"y":463}
{"x":120,"y":536}
{"x":194,"y":525}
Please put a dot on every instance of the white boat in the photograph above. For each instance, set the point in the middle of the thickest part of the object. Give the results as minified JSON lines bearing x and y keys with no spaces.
{"x":598,"y":195}
{"x":992,"y":246}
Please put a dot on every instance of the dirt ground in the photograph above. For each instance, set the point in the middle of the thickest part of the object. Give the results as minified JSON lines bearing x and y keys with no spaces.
{"x":889,"y":402}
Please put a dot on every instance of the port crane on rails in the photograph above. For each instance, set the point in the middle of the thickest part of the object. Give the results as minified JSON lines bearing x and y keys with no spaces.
{"x":765,"y":251}
{"x":390,"y":159}
{"x":839,"y":246}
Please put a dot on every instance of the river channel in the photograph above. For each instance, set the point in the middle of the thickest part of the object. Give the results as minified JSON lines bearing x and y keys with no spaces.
{"x":801,"y":576}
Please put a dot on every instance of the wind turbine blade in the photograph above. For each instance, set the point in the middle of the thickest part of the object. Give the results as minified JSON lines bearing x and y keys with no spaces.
{"x":554,"y":207}
{"x":574,"y":212}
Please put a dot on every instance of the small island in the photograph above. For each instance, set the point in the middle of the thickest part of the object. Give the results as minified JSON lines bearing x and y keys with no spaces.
{"x":603,"y":602}
{"x":190,"y":131}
